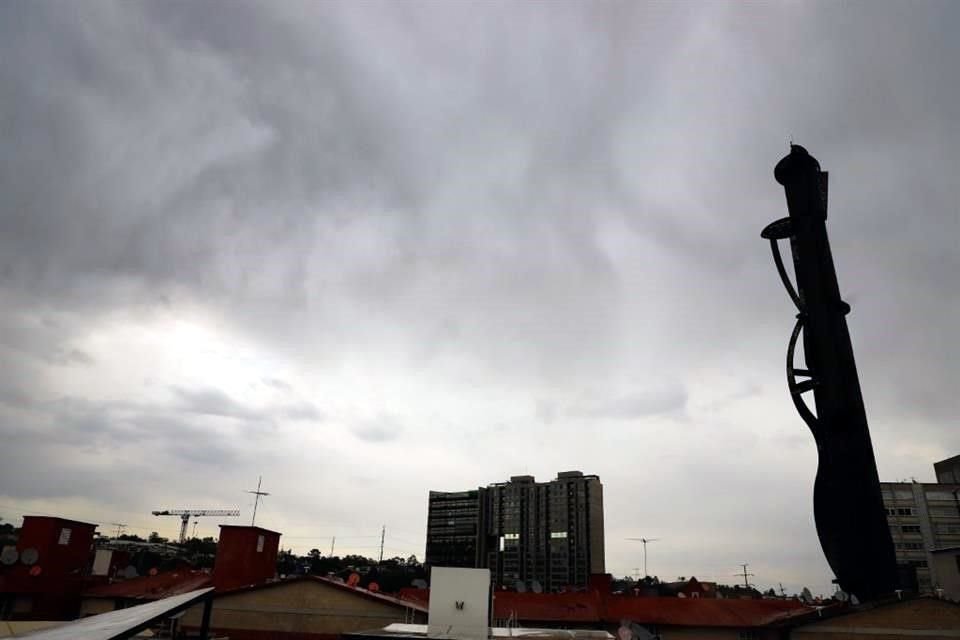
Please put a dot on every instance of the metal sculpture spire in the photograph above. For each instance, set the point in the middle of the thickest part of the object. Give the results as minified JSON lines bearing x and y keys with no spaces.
{"x":848,"y":507}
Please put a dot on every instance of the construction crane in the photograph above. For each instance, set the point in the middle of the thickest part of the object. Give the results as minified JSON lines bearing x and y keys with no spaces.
{"x":186,"y":514}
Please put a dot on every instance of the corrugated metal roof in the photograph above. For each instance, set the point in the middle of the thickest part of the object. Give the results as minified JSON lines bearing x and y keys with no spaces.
{"x":122,"y":623}
{"x":699,"y":612}
{"x":592,"y":607}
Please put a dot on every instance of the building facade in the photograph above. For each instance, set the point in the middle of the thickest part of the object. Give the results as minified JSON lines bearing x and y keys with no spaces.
{"x":538,"y":536}
{"x":456,"y":528}
{"x":948,"y":471}
{"x":922,"y":517}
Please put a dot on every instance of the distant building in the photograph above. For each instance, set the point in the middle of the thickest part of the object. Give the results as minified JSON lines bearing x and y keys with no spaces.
{"x":456,"y":529}
{"x":922,"y":517}
{"x":538,"y":536}
{"x":948,"y":471}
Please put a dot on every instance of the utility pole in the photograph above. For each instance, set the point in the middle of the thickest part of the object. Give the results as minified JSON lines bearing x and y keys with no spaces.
{"x":256,"y":500}
{"x":120,"y":527}
{"x":782,"y":592}
{"x":333,"y":542}
{"x":383,"y":535}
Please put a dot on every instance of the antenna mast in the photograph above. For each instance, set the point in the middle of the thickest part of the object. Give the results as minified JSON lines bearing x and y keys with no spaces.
{"x":746,"y":582}
{"x":256,"y":501}
{"x":383,"y":534}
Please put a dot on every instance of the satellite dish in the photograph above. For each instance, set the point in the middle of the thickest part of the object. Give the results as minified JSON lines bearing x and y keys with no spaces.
{"x":153,"y":571}
{"x":419,"y":583}
{"x":36,"y":570}
{"x":536,"y":587}
{"x":520,"y":586}
{"x":9,"y":555}
{"x":29,"y":556}
{"x":130,"y":571}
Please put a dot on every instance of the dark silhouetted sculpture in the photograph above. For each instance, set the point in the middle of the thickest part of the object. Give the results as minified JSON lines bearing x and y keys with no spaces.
{"x":847,"y":505}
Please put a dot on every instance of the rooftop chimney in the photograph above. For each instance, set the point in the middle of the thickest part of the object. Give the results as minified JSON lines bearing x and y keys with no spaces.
{"x":52,"y":547}
{"x":246,"y":555}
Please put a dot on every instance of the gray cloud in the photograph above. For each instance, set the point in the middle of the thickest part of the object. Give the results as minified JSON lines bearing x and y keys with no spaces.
{"x":636,"y":405}
{"x":432,"y":214}
{"x":382,"y":429}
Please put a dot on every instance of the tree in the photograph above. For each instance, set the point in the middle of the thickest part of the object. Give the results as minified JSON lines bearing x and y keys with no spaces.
{"x":156,"y":537}
{"x":314,"y":554}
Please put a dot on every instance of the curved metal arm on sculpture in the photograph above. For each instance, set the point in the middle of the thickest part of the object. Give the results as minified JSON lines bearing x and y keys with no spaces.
{"x":799,"y":388}
{"x":773,"y":232}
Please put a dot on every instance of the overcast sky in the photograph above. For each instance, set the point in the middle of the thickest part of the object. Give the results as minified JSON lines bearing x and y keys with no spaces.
{"x":369,"y":250}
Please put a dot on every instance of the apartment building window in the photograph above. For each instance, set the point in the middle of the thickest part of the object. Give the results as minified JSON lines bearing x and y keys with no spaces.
{"x":910,"y":528}
{"x":905,"y":512}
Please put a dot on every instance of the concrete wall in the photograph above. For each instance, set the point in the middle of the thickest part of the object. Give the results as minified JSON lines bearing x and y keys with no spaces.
{"x":928,"y":618}
{"x":947,"y":567}
{"x":300,"y":607}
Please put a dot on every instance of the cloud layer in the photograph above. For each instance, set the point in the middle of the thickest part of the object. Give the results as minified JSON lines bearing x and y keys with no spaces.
{"x":373,"y":250}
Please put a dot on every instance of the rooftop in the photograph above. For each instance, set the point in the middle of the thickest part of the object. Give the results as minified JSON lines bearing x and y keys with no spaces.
{"x":162,"y":585}
{"x":592,"y":608}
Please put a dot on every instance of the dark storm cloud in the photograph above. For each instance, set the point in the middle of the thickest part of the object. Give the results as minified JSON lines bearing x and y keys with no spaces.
{"x":515,"y":201}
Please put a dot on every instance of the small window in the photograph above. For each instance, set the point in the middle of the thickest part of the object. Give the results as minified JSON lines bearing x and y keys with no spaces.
{"x":905,"y":512}
{"x":910,"y":528}
{"x":260,"y":541}
{"x":64,"y":536}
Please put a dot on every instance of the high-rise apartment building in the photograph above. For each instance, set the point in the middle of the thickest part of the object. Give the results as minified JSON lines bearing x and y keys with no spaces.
{"x":456,"y":528}
{"x":922,"y":517}
{"x":546,"y":535}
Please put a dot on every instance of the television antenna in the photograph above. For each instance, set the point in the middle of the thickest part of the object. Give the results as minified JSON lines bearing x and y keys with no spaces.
{"x":644,"y":541}
{"x":746,"y":576}
{"x":256,"y":500}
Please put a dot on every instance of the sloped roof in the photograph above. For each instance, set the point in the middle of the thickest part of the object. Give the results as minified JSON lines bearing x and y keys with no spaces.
{"x":567,"y":607}
{"x":699,"y":612}
{"x":592,"y":607}
{"x":162,"y":585}
{"x":358,"y":591}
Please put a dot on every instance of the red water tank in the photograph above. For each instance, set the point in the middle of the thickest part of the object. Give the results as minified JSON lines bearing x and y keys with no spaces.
{"x":245,"y":556}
